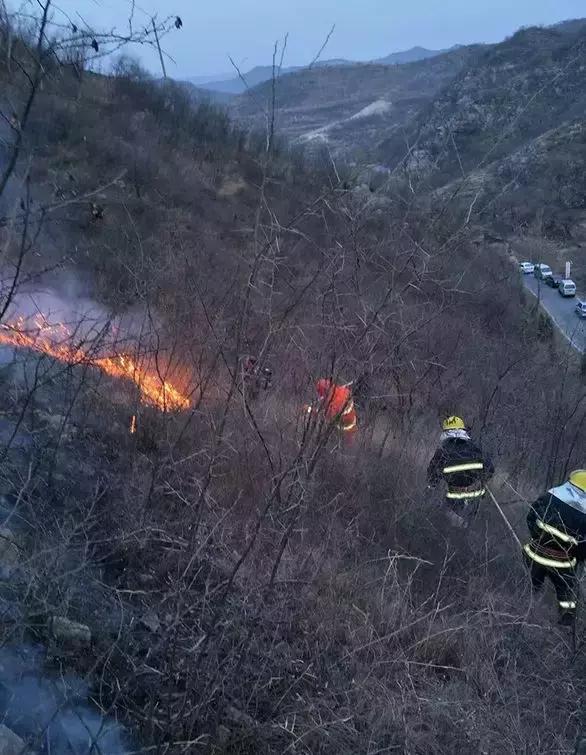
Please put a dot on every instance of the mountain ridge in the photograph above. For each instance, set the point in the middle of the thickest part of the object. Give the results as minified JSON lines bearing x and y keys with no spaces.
{"x":412,"y":55}
{"x":260,"y":74}
{"x":233,"y":84}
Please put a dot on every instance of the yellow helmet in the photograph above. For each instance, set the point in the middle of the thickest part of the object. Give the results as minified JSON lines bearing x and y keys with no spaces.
{"x":454,"y":423}
{"x":578,"y":479}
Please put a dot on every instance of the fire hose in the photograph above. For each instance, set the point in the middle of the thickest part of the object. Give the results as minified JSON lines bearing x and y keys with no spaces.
{"x":504,"y":516}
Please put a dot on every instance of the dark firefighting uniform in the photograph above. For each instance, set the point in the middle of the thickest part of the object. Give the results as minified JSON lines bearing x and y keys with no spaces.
{"x":465,"y":469}
{"x":557,"y":524}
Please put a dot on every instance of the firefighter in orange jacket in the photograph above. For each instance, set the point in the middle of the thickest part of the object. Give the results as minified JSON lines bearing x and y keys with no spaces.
{"x":337,"y":404}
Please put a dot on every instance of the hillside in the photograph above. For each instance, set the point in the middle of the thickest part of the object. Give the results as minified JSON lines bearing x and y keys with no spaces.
{"x":510,"y":94}
{"x":535,"y":197}
{"x":192,"y":562}
{"x":507,"y":135}
{"x":349,"y":107}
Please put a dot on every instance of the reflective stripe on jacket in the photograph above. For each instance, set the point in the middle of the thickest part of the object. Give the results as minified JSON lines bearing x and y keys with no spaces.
{"x":348,"y":420}
{"x":555,"y":524}
{"x":463,"y":466}
{"x":549,"y":557}
{"x":464,"y":494}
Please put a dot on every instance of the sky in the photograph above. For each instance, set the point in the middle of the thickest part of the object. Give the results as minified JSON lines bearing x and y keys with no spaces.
{"x":246,"y":30}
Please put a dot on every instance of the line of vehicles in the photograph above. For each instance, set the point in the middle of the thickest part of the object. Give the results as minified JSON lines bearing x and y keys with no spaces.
{"x":565,"y":286}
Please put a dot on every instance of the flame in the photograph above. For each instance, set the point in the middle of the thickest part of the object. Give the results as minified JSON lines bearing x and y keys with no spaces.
{"x":57,"y":341}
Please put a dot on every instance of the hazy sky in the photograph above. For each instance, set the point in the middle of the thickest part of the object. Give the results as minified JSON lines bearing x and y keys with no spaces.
{"x":365,"y":29}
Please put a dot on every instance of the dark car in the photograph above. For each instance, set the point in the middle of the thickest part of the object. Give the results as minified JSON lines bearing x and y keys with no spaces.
{"x":553,"y":280}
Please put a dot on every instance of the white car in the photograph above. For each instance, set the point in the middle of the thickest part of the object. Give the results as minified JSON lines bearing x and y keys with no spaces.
{"x":567,"y":287}
{"x":526,"y":267}
{"x":581,"y":309}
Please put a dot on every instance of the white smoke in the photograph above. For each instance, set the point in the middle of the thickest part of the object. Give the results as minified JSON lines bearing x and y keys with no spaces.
{"x":85,"y":323}
{"x":45,"y":321}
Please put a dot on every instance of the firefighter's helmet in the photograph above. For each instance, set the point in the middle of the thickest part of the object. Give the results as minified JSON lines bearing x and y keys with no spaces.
{"x":454,"y":423}
{"x":578,"y":479}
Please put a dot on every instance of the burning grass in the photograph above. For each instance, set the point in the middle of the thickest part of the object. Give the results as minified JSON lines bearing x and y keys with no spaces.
{"x":67,"y":344}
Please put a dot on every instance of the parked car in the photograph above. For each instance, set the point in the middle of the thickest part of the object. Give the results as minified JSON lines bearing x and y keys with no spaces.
{"x":567,"y":287}
{"x":553,"y":281}
{"x":541,"y":271}
{"x":526,"y":267}
{"x":581,"y":309}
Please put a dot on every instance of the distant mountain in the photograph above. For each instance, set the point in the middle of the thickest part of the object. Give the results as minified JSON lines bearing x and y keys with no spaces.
{"x":258,"y":75}
{"x":235,"y":85}
{"x":232,"y":84}
{"x":409,"y":56}
{"x":352,"y":108}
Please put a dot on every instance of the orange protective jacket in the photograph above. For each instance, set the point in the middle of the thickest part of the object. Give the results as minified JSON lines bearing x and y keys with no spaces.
{"x":338,"y":404}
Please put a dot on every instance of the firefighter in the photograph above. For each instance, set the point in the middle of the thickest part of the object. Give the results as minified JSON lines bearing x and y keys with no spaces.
{"x":337,"y":404}
{"x":266,"y":378}
{"x":557,"y":525}
{"x":463,"y":467}
{"x":255,"y":377}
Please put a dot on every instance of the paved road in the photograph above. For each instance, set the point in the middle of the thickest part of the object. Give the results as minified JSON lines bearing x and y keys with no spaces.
{"x":561,"y":311}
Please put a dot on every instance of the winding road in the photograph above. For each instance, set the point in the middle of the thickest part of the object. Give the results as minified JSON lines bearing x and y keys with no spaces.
{"x":561,"y":310}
